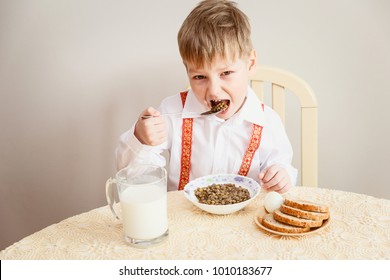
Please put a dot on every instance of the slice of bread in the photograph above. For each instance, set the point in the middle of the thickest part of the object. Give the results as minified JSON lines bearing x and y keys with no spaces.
{"x":294,"y":221}
{"x":296,"y":216}
{"x":303,"y":213}
{"x":306,"y":205}
{"x":269,"y":222}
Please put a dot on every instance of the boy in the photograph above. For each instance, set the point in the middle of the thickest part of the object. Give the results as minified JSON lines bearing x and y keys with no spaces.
{"x":246,"y":138}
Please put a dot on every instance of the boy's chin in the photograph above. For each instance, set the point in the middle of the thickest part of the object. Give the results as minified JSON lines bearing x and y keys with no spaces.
{"x":225,"y":115}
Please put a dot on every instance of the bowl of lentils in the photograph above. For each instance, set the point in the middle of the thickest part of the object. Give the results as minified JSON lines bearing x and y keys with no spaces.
{"x":221,"y":194}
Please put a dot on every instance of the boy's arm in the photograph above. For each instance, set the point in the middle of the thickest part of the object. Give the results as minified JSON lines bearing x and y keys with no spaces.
{"x":277,"y":171}
{"x":130,"y":151}
{"x":148,"y":138}
{"x":144,"y":142}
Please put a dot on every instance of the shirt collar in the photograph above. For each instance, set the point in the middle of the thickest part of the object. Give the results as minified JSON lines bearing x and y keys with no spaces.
{"x":252,"y":110}
{"x":192,"y":107}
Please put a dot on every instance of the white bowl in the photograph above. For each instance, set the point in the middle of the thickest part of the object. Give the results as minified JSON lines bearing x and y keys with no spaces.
{"x":251,"y":185}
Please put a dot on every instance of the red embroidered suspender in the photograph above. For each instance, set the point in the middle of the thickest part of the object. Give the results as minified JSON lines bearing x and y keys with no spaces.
{"x":186,"y":148}
{"x":186,"y":145}
{"x":252,"y":148}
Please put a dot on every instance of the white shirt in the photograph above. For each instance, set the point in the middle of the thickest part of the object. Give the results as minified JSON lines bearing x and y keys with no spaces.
{"x":218,"y":146}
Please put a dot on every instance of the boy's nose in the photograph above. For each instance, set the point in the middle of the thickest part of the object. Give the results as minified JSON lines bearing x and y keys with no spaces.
{"x":213,"y":88}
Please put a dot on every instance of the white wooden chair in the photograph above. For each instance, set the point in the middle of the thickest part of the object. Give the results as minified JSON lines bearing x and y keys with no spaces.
{"x":283,"y":82}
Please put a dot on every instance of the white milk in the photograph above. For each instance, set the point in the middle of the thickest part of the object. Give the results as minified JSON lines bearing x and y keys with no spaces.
{"x":144,"y":211}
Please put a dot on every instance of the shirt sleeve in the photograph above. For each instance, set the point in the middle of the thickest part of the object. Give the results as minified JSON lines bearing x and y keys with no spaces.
{"x":130,"y":151}
{"x":281,"y":153}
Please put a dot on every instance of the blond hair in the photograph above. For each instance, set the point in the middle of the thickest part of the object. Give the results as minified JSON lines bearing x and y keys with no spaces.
{"x":214,"y":28}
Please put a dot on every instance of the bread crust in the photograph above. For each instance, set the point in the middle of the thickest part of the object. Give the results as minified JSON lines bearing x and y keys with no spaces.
{"x":269,"y":222}
{"x":291,"y":220}
{"x":306,"y":205}
{"x":299,"y":213}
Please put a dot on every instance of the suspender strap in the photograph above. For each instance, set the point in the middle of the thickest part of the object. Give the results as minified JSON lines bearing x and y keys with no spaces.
{"x":252,"y":148}
{"x":183,"y":96}
{"x":254,"y":144}
{"x":186,"y":147}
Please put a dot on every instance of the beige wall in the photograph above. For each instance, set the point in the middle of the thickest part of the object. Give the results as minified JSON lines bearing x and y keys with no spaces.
{"x":74,"y":75}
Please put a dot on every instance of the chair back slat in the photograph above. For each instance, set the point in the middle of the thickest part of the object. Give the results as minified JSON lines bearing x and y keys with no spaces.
{"x":279,"y":101}
{"x":258,"y":87}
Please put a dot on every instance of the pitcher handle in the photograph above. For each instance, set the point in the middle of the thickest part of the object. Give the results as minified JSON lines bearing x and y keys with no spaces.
{"x":110,"y":196}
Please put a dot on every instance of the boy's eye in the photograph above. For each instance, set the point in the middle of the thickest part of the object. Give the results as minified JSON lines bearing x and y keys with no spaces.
{"x":199,"y":77}
{"x":226,"y":73}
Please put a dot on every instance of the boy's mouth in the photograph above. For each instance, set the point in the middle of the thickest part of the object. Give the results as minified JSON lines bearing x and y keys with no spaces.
{"x":219,"y":105}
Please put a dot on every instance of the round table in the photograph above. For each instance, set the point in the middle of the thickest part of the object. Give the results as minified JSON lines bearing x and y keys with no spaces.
{"x":359,"y":228}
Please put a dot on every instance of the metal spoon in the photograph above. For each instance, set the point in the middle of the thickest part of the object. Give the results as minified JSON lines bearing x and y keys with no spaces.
{"x":213,"y":111}
{"x":210,"y":112}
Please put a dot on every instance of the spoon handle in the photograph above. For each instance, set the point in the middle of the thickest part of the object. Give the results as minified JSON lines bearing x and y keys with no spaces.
{"x":167,"y":114}
{"x":180,"y":113}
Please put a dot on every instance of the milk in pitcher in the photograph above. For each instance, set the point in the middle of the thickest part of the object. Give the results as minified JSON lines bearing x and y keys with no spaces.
{"x":144,"y":211}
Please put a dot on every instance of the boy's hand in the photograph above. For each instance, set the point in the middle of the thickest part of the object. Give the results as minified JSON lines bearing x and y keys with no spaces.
{"x":151,"y":131}
{"x":275,"y":178}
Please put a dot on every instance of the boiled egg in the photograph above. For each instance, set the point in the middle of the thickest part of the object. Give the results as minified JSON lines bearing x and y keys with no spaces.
{"x":272,"y":201}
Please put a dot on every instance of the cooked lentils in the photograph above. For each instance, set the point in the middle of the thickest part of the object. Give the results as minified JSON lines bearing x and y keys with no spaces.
{"x":222,"y":194}
{"x":219,"y":107}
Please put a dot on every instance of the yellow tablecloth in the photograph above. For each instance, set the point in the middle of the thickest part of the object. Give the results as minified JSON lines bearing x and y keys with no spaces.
{"x":359,"y":229}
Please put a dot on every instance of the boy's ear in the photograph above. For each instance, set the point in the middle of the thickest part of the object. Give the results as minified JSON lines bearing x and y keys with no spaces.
{"x":252,"y":62}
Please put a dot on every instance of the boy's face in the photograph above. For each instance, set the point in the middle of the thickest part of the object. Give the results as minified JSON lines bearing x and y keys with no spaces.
{"x":222,"y":80}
